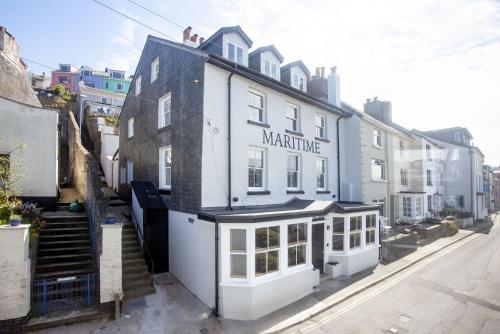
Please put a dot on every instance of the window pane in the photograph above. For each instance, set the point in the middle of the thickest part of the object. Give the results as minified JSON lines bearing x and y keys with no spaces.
{"x":301,"y":254}
{"x":292,"y":256}
{"x":238,"y":240}
{"x":272,"y":261}
{"x":260,"y":264}
{"x":238,"y":265}
{"x":258,"y":178}
{"x":355,"y":223}
{"x":274,"y":236}
{"x":338,"y":225}
{"x":239,"y":59}
{"x":302,"y":232}
{"x":292,"y":233}
{"x":261,"y":238}
{"x":338,"y":242}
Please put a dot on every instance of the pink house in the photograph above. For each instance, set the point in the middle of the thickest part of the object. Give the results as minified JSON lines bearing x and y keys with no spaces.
{"x":68,"y":76}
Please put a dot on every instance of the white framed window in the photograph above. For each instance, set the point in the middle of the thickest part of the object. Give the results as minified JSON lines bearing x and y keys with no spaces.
{"x":320,"y":126}
{"x":338,"y":231}
{"x":155,"y":69}
{"x":321,"y":173}
{"x":355,"y":232}
{"x":297,"y":244}
{"x":271,"y":69}
{"x":130,"y":171}
{"x":378,"y":170}
{"x":119,"y":86}
{"x":407,"y":207}
{"x":292,"y":117}
{"x":256,"y":172}
{"x":429,"y":203}
{"x":130,"y":127}
{"x":428,"y":152}
{"x":267,"y":247}
{"x":377,"y":138}
{"x":164,"y":110}
{"x":138,"y":83}
{"x":418,"y":206}
{"x":238,"y":253}
{"x":301,"y":84}
{"x":381,"y":203}
{"x":429,"y":177}
{"x":298,"y":82}
{"x":293,"y":171}
{"x":371,"y":228}
{"x":404,"y":177}
{"x":165,"y":167}
{"x":255,"y":107}
{"x":401,"y":149}
{"x":235,"y":53}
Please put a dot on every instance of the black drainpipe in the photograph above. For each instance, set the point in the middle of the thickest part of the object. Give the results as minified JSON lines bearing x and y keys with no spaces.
{"x":229,"y":195}
{"x":338,"y":157}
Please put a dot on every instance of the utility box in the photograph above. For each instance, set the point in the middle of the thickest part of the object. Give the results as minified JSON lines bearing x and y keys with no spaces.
{"x":150,"y":218}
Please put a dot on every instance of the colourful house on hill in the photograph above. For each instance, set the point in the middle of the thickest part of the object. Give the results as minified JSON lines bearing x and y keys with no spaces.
{"x":116,"y":82}
{"x":68,"y":76}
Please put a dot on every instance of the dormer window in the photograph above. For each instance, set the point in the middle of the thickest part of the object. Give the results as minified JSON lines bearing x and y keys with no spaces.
{"x":271,"y":69}
{"x":298,"y":82}
{"x":458,"y":137}
{"x":86,"y":73}
{"x":116,"y":74}
{"x":65,"y":68}
{"x":235,"y":53}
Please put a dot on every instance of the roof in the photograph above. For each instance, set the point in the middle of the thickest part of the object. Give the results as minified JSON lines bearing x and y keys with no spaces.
{"x":14,"y":83}
{"x":147,"y":195}
{"x":225,"y":30}
{"x":298,"y":63}
{"x":295,"y":208}
{"x":456,"y":128}
{"x":423,"y":135}
{"x":271,"y":48}
{"x":101,"y":92}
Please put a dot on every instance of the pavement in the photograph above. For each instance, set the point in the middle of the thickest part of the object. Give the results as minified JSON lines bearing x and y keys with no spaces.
{"x":173,"y":309}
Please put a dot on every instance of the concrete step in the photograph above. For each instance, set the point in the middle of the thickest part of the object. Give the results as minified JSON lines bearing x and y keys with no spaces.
{"x":129,"y":237}
{"x":64,"y":250}
{"x":62,"y":244}
{"x":63,"y":257}
{"x":64,"y":216}
{"x":71,"y":236}
{"x":67,"y":264}
{"x":63,"y":230}
{"x":117,"y":202}
{"x":137,"y":283}
{"x":134,"y":269}
{"x":62,"y":274}
{"x":129,"y":277}
{"x":69,"y":224}
{"x":133,"y":261}
{"x":139,"y":292}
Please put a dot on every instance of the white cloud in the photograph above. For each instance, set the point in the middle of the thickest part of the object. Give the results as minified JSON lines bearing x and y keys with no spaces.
{"x":436,"y":61}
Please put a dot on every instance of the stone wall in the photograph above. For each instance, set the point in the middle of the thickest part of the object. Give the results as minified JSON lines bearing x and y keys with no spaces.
{"x":14,"y":272}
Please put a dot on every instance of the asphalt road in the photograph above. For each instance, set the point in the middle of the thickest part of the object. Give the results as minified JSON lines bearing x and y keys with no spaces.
{"x":455,"y":291}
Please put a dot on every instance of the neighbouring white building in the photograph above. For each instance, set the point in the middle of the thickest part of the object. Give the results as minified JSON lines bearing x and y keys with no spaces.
{"x":247,"y":162}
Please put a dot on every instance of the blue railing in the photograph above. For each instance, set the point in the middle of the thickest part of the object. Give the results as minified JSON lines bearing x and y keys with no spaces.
{"x":68,"y":293}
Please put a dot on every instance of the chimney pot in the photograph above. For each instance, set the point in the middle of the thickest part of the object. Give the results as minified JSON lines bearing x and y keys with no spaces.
{"x":194,"y":38}
{"x":317,"y":72}
{"x":186,"y":34}
{"x":333,"y":69}
{"x":202,"y":39}
{"x":322,"y":72}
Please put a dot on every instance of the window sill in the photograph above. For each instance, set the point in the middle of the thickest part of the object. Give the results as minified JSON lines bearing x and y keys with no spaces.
{"x":165,"y":191}
{"x":262,"y":192}
{"x":323,"y":192}
{"x":324,"y":140}
{"x":295,"y":133}
{"x":295,"y":192}
{"x":379,"y":181}
{"x":264,"y":125}
{"x":164,"y":128}
{"x":378,"y":147}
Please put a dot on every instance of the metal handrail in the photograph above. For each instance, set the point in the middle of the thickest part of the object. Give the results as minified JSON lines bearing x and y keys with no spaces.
{"x":145,"y":244}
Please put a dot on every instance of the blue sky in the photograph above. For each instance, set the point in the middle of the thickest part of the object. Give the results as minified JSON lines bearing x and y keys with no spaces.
{"x":437,"y":61}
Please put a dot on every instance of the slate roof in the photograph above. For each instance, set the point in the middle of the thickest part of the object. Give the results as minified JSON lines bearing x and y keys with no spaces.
{"x":297,"y":63}
{"x":147,"y":195}
{"x":271,"y":48}
{"x":452,"y":129}
{"x":14,"y":83}
{"x":224,"y":30}
{"x":295,"y":208}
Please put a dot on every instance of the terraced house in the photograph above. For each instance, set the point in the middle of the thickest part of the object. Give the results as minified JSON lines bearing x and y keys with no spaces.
{"x":247,"y":161}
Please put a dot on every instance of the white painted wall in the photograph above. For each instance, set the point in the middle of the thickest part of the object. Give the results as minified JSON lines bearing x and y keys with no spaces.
{"x":15,"y":273}
{"x":138,"y":215}
{"x":109,"y":145}
{"x":350,"y":157}
{"x":36,"y":128}
{"x":192,"y":254}
{"x":110,"y":262}
{"x":214,"y":157}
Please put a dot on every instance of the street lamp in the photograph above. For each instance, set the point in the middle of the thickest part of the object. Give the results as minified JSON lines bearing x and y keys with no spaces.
{"x":81,"y":113}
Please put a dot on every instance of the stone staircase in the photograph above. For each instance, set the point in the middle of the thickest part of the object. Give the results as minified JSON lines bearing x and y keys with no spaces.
{"x":136,"y":280}
{"x":64,"y":248}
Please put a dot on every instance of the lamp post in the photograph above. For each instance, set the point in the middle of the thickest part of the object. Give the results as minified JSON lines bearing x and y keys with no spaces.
{"x":82,"y":96}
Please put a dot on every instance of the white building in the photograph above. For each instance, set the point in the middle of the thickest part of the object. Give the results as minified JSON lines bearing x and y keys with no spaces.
{"x":248,"y":167}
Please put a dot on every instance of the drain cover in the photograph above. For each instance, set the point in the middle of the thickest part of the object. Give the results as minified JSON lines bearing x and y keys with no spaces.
{"x":393,"y":330}
{"x":404,"y":318}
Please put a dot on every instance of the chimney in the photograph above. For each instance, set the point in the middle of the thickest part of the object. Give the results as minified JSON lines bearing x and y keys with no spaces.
{"x":317,"y":72}
{"x":202,"y":39}
{"x":334,"y":87}
{"x":9,"y":47}
{"x":194,"y":38}
{"x":186,"y":34}
{"x":322,"y":72}
{"x":317,"y":86}
{"x":380,"y":110}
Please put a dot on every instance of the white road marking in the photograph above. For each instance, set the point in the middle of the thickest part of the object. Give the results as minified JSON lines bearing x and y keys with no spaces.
{"x":391,"y":282}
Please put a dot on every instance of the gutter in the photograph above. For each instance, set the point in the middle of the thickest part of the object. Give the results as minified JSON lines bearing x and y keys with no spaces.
{"x":338,"y":157}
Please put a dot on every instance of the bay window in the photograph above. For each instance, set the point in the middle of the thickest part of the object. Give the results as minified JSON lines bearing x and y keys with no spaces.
{"x":293,"y":173}
{"x":255,"y":168}
{"x":165,"y":168}
{"x":371,"y":225}
{"x":338,"y":234}
{"x":355,"y":232}
{"x":237,"y":253}
{"x":267,"y":244}
{"x":297,"y":244}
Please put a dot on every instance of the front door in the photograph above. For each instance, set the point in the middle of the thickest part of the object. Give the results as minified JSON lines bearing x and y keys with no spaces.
{"x":318,"y":244}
